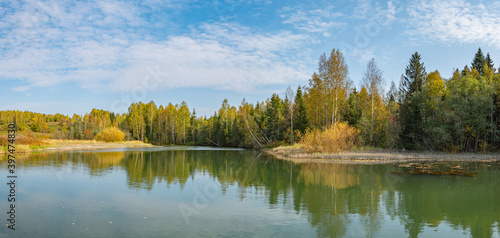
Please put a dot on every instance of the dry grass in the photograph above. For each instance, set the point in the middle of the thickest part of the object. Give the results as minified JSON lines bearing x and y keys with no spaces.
{"x":68,"y":145}
{"x":65,"y":145}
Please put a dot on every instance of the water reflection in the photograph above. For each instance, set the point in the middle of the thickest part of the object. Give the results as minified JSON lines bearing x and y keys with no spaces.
{"x":338,"y":199}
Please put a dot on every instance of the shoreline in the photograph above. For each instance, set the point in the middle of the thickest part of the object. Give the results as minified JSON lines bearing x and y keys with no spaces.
{"x":85,"y":145}
{"x":291,"y":153}
{"x":297,"y":155}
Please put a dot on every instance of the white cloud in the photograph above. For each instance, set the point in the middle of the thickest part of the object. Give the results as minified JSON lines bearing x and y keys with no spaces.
{"x":98,"y":45}
{"x":322,"y":21}
{"x":222,"y":57}
{"x":455,"y":21}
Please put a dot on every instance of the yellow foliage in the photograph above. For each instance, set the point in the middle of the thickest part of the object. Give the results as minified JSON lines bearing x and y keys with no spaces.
{"x":110,"y":134}
{"x":337,"y":138}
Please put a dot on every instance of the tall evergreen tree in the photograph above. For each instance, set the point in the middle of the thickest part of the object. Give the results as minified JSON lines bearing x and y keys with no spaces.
{"x":489,"y":62}
{"x":479,"y":61}
{"x":414,"y":77}
{"x":410,"y":115}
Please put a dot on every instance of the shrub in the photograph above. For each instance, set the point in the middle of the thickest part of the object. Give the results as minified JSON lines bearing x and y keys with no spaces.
{"x":111,"y":134}
{"x":337,"y":138}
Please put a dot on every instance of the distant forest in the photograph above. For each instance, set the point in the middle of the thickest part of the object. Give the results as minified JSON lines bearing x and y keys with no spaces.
{"x":424,"y":112}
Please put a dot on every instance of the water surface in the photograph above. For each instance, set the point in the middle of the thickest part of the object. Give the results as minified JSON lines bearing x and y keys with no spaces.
{"x":205,"y":192}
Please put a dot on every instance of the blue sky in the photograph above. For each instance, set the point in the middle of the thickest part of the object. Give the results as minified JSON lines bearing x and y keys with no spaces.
{"x":72,"y":56}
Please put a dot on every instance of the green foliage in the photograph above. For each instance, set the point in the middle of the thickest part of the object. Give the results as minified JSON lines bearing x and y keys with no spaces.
{"x":111,"y":134}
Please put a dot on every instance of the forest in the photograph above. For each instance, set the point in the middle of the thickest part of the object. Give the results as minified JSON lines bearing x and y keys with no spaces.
{"x":423,"y":112}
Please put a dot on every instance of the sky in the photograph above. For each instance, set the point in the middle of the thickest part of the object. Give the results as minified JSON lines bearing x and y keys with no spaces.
{"x":62,"y":56}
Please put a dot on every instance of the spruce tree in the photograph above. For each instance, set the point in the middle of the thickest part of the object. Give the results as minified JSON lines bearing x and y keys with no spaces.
{"x":478,"y":61}
{"x":489,"y":62}
{"x":414,"y":76}
{"x":410,"y":116}
{"x":300,"y":122}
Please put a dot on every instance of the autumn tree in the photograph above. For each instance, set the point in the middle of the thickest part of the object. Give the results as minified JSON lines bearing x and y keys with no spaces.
{"x":150,"y":111}
{"x":334,"y":73}
{"x":372,"y":80}
{"x":184,"y":118}
{"x":314,"y":100}
{"x":171,"y":122}
{"x":432,"y":94}
{"x":328,"y":88}
{"x":393,"y":127}
{"x":135,"y":118}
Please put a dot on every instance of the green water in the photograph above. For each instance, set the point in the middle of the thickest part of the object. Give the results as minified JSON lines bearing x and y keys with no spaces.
{"x":202,"y":192}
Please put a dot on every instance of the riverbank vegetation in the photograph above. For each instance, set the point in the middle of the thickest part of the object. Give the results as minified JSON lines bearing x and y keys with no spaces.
{"x":69,"y":145}
{"x":424,"y":112}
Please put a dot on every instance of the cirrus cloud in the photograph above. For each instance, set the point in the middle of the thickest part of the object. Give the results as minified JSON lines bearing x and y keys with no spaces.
{"x":455,"y":21}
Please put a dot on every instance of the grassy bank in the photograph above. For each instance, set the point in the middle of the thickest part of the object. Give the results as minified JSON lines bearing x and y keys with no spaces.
{"x":297,"y":153}
{"x":68,"y":145}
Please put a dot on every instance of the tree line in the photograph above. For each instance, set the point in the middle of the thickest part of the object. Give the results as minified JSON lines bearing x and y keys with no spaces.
{"x":424,"y":112}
